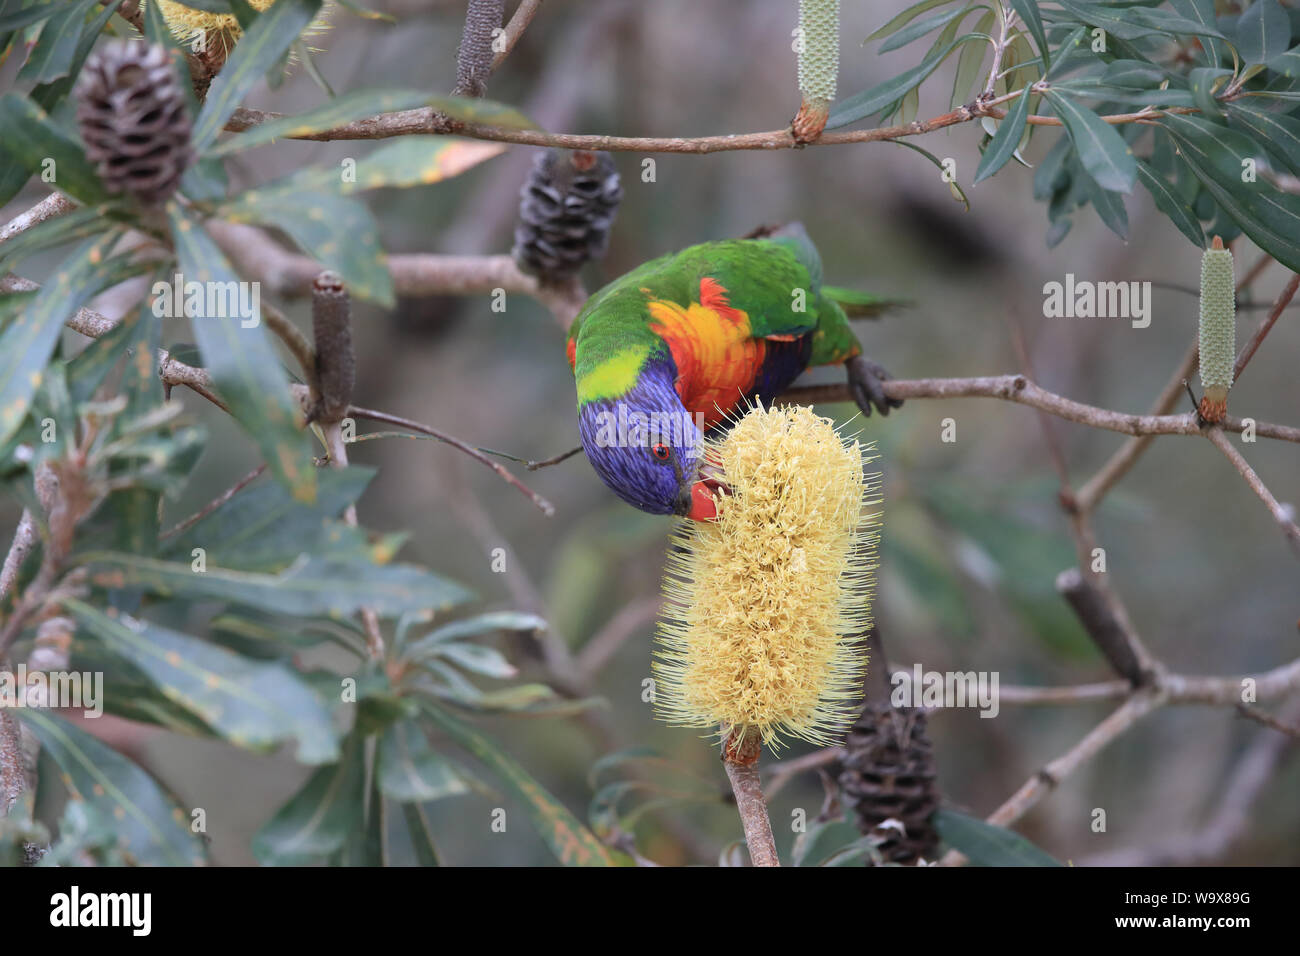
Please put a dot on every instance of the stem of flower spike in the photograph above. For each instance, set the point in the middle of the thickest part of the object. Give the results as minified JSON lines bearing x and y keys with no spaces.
{"x":740,"y":757}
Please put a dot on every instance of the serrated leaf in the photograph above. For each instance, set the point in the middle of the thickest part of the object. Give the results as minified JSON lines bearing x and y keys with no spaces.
{"x":308,"y":588}
{"x":317,"y":820}
{"x":251,"y":704}
{"x":571,"y":842}
{"x":1171,"y":204}
{"x":1006,"y":140}
{"x":255,"y":53}
{"x":151,"y":827}
{"x":411,"y":771}
{"x":1102,"y":151}
{"x":241,"y":358}
{"x":1263,"y":32}
{"x":988,"y":845}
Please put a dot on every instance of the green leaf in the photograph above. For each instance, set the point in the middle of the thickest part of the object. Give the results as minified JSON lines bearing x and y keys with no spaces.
{"x":920,"y":27}
{"x":1102,"y":151}
{"x":1217,"y":156}
{"x":953,"y":187}
{"x":1110,"y":207}
{"x":318,"y":819}
{"x":1006,"y":140}
{"x":1263,"y":32}
{"x":872,"y":101}
{"x":251,"y":704}
{"x":986,"y":844}
{"x":426,"y":854}
{"x":255,"y":53}
{"x":264,"y":528}
{"x":56,"y":48}
{"x":1278,"y":133}
{"x":151,"y":827}
{"x":1205,"y":82}
{"x":902,"y":19}
{"x":411,"y":771}
{"x":240,"y":357}
{"x":15,"y":17}
{"x":1029,"y":15}
{"x":1171,"y":204}
{"x":571,"y":842}
{"x":311,"y":587}
{"x":27,"y":343}
{"x":1213,"y":48}
{"x":823,"y":840}
{"x":77,"y":224}
{"x":470,"y":627}
{"x":1133,"y":22}
{"x":32,"y":138}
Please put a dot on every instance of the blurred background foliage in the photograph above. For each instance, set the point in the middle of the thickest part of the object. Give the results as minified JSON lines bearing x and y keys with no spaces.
{"x":974,"y":537}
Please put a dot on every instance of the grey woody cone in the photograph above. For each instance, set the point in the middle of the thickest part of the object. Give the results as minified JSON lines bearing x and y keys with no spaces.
{"x":889,"y":775}
{"x":133,"y":120}
{"x":568,"y":206}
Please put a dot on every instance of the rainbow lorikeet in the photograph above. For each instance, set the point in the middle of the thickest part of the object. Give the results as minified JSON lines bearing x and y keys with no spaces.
{"x":678,"y":346}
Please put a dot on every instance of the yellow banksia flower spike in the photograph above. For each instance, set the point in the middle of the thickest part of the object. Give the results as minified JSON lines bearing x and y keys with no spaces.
{"x":216,"y":33}
{"x":768,"y":605}
{"x":1218,"y":330}
{"x":818,"y":46}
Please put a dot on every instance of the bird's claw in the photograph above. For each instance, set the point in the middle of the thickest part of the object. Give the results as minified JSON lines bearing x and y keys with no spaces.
{"x":867,"y":384}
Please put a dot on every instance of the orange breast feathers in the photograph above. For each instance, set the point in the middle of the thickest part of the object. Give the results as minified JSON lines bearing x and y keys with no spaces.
{"x":716,"y":356}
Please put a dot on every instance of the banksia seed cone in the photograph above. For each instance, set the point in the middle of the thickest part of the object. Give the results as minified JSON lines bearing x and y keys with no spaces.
{"x":568,"y":206}
{"x":889,"y":774}
{"x":133,"y":120}
{"x":819,"y":63}
{"x":1218,"y":330}
{"x":766,"y":603}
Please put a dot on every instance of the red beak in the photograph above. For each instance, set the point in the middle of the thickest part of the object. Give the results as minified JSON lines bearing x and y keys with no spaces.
{"x":703,"y":507}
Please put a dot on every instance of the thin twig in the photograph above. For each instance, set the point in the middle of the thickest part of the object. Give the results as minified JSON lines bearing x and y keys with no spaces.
{"x":53,"y":205}
{"x":214,"y":504}
{"x":1279,"y":306}
{"x":1280,"y":513}
{"x":523,"y":16}
{"x":1268,"y":720}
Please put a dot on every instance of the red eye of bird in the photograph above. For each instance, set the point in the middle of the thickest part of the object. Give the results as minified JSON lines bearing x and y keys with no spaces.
{"x":660,"y":451}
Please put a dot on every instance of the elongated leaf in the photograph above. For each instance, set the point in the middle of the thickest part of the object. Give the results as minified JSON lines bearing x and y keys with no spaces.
{"x":821,"y":841}
{"x":1217,"y":156}
{"x":1205,"y":82}
{"x":920,"y":27}
{"x":1102,"y":151}
{"x":571,"y":842}
{"x":1202,"y":11}
{"x":318,"y":819}
{"x":417,"y":825}
{"x":255,"y":53}
{"x":312,"y":587}
{"x":411,"y":771}
{"x":1278,"y":133}
{"x":56,"y":48}
{"x":32,"y":138}
{"x":1006,"y":140}
{"x":264,"y":528}
{"x":251,"y":704}
{"x":48,"y":95}
{"x":1263,"y":32}
{"x":480,"y":624}
{"x":954,"y":187}
{"x":15,"y":17}
{"x":238,"y":353}
{"x":78,"y":224}
{"x":151,"y":827}
{"x":872,"y":101}
{"x":988,"y":845}
{"x":27,"y":342}
{"x":1029,"y":15}
{"x":902,"y":19}
{"x":1171,"y":204}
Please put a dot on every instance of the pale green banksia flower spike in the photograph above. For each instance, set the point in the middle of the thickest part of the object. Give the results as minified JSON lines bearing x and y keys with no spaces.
{"x":768,"y":604}
{"x":1218,"y":331}
{"x":818,"y":44}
